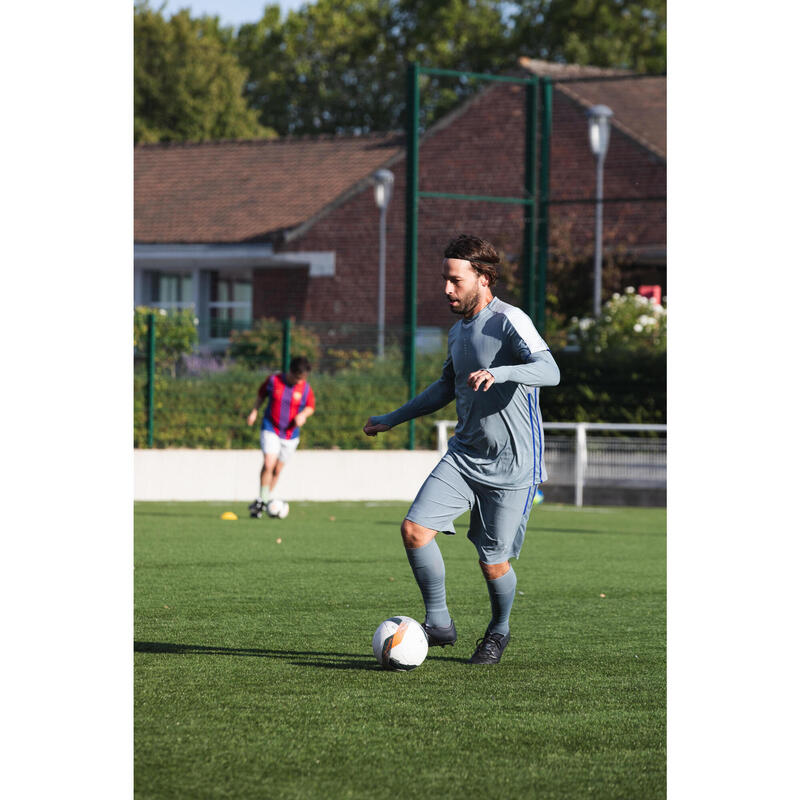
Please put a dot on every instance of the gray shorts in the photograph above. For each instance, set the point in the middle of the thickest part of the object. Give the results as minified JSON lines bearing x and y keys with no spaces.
{"x":498,"y":516}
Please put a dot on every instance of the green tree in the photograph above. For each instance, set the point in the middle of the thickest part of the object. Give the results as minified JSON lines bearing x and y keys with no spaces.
{"x":627,"y":34}
{"x":188,"y":85}
{"x":340,"y":65}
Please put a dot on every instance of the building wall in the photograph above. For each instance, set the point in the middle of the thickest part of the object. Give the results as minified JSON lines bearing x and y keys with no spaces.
{"x":281,"y":292}
{"x":481,"y":152}
{"x":351,"y":230}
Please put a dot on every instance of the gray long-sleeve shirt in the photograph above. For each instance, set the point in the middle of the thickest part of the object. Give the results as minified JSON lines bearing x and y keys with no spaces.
{"x":498,"y":440}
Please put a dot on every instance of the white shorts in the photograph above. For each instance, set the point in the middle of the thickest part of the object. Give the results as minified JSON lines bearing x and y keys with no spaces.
{"x":272,"y":444}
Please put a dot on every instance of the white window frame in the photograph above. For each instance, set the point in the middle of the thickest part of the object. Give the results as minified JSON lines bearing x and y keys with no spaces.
{"x":200,"y":259}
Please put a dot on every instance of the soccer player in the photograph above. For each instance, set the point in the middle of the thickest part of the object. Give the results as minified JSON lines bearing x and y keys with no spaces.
{"x":496,"y":362}
{"x":291,"y":403}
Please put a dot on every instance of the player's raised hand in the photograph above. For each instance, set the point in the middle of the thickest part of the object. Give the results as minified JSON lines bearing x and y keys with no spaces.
{"x":373,"y":429}
{"x":482,"y":376}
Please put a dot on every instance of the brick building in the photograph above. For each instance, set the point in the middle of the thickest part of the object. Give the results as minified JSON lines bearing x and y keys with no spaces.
{"x":243,"y":230}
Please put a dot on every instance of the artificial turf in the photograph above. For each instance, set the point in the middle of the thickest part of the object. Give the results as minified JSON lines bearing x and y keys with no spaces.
{"x":254,"y":675}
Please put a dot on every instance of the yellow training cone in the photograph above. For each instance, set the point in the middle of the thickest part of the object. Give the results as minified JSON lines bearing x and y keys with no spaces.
{"x":229,"y":515}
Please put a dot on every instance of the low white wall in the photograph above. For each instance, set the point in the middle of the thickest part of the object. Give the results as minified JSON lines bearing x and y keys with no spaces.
{"x":309,"y":475}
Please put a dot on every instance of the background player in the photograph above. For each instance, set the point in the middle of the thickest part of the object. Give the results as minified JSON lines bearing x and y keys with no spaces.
{"x":496,"y":360}
{"x":291,"y":403}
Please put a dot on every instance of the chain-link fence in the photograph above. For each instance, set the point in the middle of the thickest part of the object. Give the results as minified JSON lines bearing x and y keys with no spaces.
{"x":202,"y":400}
{"x":517,"y":164}
{"x":625,"y":185}
{"x":512,"y":164}
{"x":199,"y":400}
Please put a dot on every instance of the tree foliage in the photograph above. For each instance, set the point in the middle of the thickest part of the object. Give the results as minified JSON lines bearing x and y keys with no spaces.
{"x":340,"y":65}
{"x":627,"y":34}
{"x":187,"y":82}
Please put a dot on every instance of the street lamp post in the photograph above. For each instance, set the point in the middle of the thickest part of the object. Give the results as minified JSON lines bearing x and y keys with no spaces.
{"x":599,"y":132}
{"x":383,"y":180}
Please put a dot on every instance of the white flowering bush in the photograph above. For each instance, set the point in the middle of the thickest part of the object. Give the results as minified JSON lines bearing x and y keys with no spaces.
{"x":627,"y":321}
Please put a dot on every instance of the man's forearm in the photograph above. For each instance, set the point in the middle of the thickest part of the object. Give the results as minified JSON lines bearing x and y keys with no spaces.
{"x":436,"y":396}
{"x":541,"y":371}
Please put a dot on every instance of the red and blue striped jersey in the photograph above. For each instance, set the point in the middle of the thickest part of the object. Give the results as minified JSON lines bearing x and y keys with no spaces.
{"x":285,"y":403}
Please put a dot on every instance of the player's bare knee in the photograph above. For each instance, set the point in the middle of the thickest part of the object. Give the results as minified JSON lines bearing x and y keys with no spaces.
{"x":494,"y":571}
{"x":415,"y":535}
{"x":407,"y":532}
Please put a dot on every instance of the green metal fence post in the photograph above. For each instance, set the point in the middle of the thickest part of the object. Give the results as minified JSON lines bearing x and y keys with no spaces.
{"x":287,"y":343}
{"x":543,"y":228}
{"x":528,"y":264}
{"x":412,"y":212}
{"x":151,"y":375}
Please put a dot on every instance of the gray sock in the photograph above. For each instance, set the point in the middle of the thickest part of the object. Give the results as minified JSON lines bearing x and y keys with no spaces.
{"x":428,"y":568}
{"x":501,"y":596}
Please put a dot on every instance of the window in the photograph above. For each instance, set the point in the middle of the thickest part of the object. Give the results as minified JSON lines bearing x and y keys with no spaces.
{"x":231,"y":303}
{"x":170,"y":290}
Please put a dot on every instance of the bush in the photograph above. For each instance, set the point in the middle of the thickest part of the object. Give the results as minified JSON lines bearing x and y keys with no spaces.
{"x":261,"y":347}
{"x":353,"y":360}
{"x":209,"y":410}
{"x":628,"y":322}
{"x":613,"y":386}
{"x":176,"y":335}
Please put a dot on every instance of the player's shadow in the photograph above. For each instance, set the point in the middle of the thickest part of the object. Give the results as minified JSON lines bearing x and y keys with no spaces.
{"x":301,"y":658}
{"x":581,"y":531}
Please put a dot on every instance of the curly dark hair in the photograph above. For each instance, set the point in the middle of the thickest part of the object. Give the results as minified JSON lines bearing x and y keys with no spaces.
{"x":480,"y":253}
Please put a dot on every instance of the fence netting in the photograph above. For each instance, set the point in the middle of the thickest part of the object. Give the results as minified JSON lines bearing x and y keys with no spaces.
{"x":201,"y":398}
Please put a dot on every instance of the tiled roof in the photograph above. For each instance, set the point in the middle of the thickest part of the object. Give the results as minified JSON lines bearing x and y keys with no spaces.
{"x":639,"y":103}
{"x":234,"y":191}
{"x":240,"y":191}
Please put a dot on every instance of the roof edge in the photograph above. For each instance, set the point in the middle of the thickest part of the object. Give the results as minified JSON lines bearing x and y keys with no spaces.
{"x":574,"y":73}
{"x":289,"y":235}
{"x":553,"y":69}
{"x":311,"y":137}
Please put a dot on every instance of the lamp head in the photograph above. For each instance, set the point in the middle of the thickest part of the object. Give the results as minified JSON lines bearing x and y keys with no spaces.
{"x":599,"y":129}
{"x":383,"y":180}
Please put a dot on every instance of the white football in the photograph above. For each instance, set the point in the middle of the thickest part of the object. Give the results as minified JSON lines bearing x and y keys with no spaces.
{"x":400,"y":643}
{"x":278,"y":508}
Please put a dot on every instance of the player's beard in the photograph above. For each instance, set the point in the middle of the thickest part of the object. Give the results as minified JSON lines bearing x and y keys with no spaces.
{"x":468,"y":304}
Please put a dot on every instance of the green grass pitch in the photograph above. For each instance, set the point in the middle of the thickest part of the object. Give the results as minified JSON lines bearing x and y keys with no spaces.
{"x":254,"y":675}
